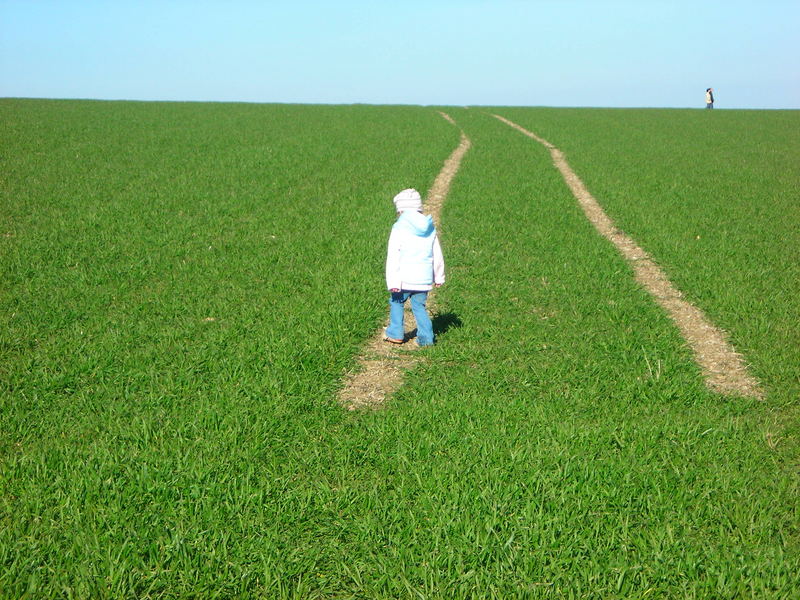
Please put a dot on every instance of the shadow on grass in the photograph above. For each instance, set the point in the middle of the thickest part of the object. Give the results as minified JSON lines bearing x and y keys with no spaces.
{"x":444,"y":321}
{"x":441,"y":323}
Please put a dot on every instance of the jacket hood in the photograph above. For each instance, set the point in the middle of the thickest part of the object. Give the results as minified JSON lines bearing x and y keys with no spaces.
{"x":415,"y":222}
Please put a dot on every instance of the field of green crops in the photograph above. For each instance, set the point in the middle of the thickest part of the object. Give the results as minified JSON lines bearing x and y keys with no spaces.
{"x":184,"y":286}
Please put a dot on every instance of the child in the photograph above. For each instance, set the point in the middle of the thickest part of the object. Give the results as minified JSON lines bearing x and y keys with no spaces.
{"x":414,"y":265}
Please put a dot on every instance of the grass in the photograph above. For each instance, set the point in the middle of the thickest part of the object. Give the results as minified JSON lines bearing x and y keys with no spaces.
{"x":711,"y":195}
{"x":573,"y":389}
{"x":154,"y":259}
{"x":558,"y":442}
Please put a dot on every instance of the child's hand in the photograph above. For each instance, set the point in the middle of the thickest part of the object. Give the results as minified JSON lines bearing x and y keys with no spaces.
{"x":438,"y":284}
{"x":395,"y":290}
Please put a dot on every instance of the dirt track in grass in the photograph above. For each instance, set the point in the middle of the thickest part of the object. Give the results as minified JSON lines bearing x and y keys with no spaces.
{"x":381,"y":366}
{"x":723,"y":368}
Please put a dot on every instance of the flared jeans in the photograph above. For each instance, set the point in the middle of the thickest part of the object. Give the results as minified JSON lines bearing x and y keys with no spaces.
{"x":424,"y":325}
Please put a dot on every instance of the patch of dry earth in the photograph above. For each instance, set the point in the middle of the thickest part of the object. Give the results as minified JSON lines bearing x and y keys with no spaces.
{"x":381,"y":366}
{"x":723,"y":368}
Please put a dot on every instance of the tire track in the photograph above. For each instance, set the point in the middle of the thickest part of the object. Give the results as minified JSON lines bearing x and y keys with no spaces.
{"x":723,"y":368}
{"x":381,"y":366}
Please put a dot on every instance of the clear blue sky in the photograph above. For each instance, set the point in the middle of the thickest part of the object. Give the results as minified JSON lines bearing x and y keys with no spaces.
{"x":498,"y":52}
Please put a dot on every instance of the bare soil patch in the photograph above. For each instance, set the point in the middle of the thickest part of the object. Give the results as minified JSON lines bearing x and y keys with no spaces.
{"x":723,"y":368}
{"x":381,"y":366}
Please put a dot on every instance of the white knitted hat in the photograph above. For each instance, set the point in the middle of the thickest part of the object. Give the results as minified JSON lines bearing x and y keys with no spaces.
{"x":408,"y":200}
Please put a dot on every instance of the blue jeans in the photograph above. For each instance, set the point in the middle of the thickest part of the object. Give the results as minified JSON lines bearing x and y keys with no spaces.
{"x":424,"y":325}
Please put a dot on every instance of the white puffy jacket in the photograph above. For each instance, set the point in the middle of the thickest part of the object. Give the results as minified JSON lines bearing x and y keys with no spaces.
{"x":414,"y":259}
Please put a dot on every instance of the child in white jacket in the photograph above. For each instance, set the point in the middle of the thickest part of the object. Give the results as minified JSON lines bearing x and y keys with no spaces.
{"x":414,"y":265}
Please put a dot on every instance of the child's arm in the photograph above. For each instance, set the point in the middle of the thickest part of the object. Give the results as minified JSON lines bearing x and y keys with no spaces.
{"x":393,"y":279}
{"x":438,"y":263}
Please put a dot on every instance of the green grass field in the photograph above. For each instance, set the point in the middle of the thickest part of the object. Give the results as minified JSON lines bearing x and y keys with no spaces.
{"x":183,"y":287}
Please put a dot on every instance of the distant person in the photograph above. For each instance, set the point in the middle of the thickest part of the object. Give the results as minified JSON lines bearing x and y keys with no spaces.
{"x":414,"y":265}
{"x":709,"y":98}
